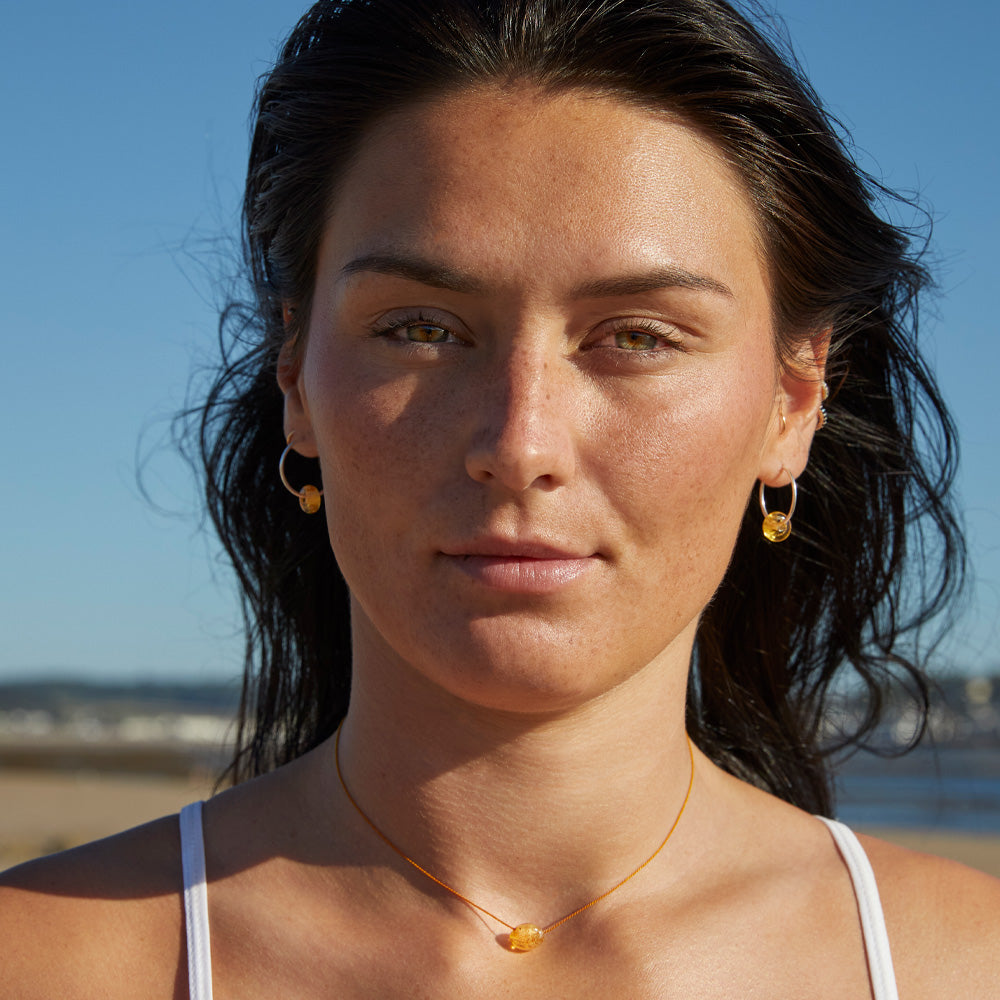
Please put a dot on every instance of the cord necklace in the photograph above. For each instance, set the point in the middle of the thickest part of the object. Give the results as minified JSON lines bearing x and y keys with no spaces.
{"x":522,"y":937}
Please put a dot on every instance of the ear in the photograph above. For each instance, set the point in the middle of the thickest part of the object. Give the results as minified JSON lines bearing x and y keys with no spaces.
{"x":297,"y":422}
{"x":796,"y":414}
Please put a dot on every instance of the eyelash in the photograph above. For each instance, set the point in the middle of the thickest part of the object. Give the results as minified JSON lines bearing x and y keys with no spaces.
{"x":641,"y":324}
{"x":386,"y":328}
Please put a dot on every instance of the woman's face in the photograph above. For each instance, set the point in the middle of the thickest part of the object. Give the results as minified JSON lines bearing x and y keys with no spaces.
{"x":540,"y":379}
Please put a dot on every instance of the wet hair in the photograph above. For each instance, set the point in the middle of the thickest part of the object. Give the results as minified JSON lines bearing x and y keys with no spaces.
{"x":876,"y":554}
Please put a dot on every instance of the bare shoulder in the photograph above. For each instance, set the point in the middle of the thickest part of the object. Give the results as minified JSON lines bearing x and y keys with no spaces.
{"x":103,"y":920}
{"x":943,"y":921}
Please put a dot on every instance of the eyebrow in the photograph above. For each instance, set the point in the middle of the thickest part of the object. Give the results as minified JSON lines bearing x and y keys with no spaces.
{"x":649,"y":281}
{"x":427,"y":272}
{"x":435,"y":275}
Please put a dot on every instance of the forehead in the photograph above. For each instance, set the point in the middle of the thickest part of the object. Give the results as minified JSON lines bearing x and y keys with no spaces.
{"x":533,"y":187}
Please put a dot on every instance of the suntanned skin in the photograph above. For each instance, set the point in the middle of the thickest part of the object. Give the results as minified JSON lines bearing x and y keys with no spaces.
{"x":543,"y":321}
{"x":290,"y":919}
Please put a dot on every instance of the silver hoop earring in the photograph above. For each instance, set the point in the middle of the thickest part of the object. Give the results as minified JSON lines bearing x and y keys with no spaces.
{"x":310,"y":498}
{"x":777,"y":524}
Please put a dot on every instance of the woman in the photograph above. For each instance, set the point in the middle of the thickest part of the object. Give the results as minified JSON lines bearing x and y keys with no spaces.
{"x":554,"y":292}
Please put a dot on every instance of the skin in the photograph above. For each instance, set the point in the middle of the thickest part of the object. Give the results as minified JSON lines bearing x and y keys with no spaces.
{"x":528,"y":423}
{"x":540,"y":381}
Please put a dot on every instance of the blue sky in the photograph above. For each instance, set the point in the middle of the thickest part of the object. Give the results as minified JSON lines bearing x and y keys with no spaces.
{"x":125,"y":133}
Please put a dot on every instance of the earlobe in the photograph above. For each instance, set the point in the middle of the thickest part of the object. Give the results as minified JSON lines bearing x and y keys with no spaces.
{"x":798,"y":413}
{"x":297,"y":422}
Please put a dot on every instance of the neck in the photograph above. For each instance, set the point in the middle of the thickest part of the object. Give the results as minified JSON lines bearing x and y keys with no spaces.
{"x":523,"y":813}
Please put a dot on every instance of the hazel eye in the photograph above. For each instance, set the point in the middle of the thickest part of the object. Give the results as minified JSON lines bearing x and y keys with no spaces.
{"x":416,"y":330}
{"x":636,"y":340}
{"x":424,"y":333}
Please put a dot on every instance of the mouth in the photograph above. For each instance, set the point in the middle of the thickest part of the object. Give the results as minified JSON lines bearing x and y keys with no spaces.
{"x":520,"y":566}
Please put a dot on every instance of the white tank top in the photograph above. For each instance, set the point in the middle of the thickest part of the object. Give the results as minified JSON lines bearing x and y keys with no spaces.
{"x":199,"y":952}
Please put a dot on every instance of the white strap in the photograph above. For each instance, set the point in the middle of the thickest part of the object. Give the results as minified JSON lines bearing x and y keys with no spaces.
{"x":876,"y":937}
{"x":199,"y":950}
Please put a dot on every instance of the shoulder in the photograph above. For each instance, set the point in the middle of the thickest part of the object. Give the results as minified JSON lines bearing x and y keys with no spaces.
{"x":943,"y":921}
{"x":97,"y":920}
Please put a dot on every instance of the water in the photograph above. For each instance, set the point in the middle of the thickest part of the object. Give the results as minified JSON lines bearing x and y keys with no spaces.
{"x":943,"y":789}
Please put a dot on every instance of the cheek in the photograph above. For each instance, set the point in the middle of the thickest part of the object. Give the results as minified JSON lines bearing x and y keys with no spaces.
{"x":679,"y":482}
{"x":383,"y":447}
{"x":692,"y":448}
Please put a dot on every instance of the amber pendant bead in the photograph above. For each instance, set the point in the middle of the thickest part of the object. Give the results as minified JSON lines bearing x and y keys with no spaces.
{"x":524,"y":937}
{"x":776,"y":527}
{"x":310,"y":499}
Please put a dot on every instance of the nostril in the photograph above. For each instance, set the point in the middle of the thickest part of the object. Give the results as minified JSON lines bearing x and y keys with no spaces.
{"x":478,"y":472}
{"x":521,"y":469}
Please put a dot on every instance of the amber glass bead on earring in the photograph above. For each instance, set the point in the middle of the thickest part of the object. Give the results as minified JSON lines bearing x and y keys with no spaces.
{"x":524,"y":937}
{"x":776,"y":527}
{"x":309,"y":499}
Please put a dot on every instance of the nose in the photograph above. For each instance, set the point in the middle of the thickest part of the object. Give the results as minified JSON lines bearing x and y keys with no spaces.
{"x":524,"y":425}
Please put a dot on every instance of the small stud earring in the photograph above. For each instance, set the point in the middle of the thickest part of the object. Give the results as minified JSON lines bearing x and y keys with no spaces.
{"x":821,"y":416}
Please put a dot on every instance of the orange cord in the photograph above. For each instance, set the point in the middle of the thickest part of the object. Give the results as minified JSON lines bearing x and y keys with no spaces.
{"x":482,"y":909}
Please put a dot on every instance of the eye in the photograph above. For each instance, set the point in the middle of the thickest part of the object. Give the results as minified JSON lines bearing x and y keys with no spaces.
{"x":637,"y":340}
{"x":424,"y":333}
{"x":637,"y":335}
{"x":413,"y":329}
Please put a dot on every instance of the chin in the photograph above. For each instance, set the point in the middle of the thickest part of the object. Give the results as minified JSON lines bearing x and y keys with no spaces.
{"x":527,"y":672}
{"x":536,"y":697}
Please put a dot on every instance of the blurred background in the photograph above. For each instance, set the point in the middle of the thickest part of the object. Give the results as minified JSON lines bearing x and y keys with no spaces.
{"x":125,"y":137}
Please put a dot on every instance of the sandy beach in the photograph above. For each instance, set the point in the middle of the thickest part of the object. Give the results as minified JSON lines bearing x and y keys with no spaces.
{"x":41,"y":812}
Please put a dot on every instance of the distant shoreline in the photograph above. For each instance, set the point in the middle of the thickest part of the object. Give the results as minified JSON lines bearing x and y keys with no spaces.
{"x":82,"y":760}
{"x":45,"y":812}
{"x":977,"y":850}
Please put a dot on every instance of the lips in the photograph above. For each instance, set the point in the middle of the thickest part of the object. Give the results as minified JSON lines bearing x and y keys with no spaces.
{"x":513,"y":549}
{"x":521,"y":566}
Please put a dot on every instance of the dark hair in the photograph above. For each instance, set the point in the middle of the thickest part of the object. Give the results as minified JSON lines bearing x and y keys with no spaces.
{"x":877,"y":552}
